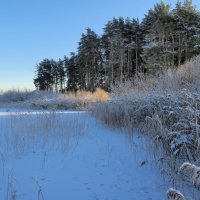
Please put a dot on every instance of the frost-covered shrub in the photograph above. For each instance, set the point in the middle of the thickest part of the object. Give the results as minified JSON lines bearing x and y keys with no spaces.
{"x":181,"y":145}
{"x":173,"y":194}
{"x":189,"y":73}
{"x":176,"y":127}
{"x":15,"y":96}
{"x":173,"y":118}
{"x":191,"y":173}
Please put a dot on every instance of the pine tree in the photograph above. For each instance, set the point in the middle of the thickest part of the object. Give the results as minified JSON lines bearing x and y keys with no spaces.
{"x":187,"y":31}
{"x":158,"y":48}
{"x":89,"y":57}
{"x":122,"y":44}
{"x":44,"y":75}
{"x":73,"y":82}
{"x":61,"y":74}
{"x":171,"y":37}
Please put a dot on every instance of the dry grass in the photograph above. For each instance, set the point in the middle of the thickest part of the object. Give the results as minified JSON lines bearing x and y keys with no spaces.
{"x":98,"y":95}
{"x":23,"y":131}
{"x":189,"y":73}
{"x":48,"y":100}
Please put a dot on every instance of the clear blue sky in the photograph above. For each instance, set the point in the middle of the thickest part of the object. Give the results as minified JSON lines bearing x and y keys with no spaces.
{"x":31,"y":30}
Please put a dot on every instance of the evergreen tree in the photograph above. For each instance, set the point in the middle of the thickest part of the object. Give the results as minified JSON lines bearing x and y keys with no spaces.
{"x":158,"y":27}
{"x":171,"y":37}
{"x":89,"y":58}
{"x":44,"y":79}
{"x":73,"y":82}
{"x":187,"y":31}
{"x":61,"y":74}
{"x":122,"y":42}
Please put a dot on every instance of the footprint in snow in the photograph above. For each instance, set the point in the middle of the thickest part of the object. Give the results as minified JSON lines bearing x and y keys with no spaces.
{"x":143,"y":163}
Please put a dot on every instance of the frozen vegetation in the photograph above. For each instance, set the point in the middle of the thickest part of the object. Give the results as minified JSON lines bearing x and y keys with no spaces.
{"x":166,"y":108}
{"x":44,"y":100}
{"x":70,"y":155}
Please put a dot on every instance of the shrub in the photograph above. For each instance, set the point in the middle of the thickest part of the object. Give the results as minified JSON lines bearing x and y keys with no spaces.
{"x":173,"y":194}
{"x":190,"y":173}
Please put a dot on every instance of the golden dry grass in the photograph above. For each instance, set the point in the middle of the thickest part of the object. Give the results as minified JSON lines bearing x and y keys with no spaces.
{"x":87,"y":96}
{"x":100,"y":95}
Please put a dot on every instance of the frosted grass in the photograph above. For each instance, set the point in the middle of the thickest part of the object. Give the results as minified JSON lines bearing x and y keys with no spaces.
{"x":70,"y":155}
{"x":25,"y":131}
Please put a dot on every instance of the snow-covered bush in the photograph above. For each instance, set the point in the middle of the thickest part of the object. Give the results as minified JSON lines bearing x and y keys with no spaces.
{"x":173,"y":194}
{"x":173,"y":119}
{"x":15,"y":96}
{"x":191,"y":173}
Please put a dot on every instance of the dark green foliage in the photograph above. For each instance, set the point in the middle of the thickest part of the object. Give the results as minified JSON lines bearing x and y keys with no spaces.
{"x":122,"y":46}
{"x":73,"y":82}
{"x":50,"y":75}
{"x":165,"y":38}
{"x":171,"y":36}
{"x":89,"y":59}
{"x":45,"y":78}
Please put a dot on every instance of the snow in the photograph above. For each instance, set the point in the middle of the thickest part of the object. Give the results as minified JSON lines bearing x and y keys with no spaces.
{"x":70,"y":155}
{"x":39,"y":112}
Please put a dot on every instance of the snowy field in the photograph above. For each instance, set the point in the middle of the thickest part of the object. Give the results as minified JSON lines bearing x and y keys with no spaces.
{"x":69,"y":155}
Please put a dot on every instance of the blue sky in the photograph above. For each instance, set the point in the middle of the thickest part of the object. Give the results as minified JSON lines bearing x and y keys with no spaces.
{"x":31,"y":30}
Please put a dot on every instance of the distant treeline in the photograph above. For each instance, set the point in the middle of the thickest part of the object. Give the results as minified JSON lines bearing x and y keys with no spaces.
{"x":165,"y":38}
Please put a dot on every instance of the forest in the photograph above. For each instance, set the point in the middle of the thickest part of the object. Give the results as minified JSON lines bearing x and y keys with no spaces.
{"x":165,"y":38}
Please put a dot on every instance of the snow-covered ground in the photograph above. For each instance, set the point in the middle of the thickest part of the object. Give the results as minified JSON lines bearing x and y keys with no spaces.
{"x":70,"y":155}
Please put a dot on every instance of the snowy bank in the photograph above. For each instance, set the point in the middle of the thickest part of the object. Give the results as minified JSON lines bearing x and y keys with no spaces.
{"x":70,"y":155}
{"x":44,"y":100}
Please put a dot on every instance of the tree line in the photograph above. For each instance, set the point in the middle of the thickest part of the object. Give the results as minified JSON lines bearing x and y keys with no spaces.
{"x":165,"y":38}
